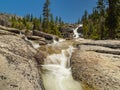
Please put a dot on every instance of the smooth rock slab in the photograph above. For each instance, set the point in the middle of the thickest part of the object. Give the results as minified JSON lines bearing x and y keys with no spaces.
{"x":18,"y":68}
{"x":97,"y":70}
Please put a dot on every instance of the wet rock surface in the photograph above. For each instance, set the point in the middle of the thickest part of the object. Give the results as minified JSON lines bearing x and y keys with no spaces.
{"x":97,"y":64}
{"x":19,"y":70}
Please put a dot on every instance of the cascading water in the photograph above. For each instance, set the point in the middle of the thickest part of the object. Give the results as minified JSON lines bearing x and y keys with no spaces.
{"x":34,"y":44}
{"x":57,"y":72}
{"x":60,"y":40}
{"x":76,"y":34}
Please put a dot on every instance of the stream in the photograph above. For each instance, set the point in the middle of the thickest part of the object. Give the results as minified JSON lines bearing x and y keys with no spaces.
{"x":56,"y":71}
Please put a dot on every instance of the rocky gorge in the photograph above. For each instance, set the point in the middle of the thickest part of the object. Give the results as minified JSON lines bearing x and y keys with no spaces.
{"x":27,"y":60}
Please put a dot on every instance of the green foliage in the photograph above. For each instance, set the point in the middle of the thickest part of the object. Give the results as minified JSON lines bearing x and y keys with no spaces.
{"x":28,"y":26}
{"x":36,"y":24}
{"x":17,"y":23}
{"x":46,"y":15}
{"x":47,"y":23}
{"x":103,"y":23}
{"x":112,"y":20}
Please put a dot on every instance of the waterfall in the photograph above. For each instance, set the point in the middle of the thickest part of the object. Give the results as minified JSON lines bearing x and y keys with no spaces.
{"x":54,"y":41}
{"x":34,"y":44}
{"x":20,"y":33}
{"x":76,"y":34}
{"x":60,"y":40}
{"x":57,"y":72}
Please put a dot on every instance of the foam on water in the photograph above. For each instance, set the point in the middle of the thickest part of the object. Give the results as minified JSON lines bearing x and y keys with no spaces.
{"x":76,"y":34}
{"x":57,"y":72}
{"x":60,"y":40}
{"x":34,"y":44}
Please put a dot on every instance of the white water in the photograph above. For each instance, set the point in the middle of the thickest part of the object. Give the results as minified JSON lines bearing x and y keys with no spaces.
{"x":34,"y":44}
{"x":60,"y":40}
{"x":57,"y":72}
{"x":76,"y":34}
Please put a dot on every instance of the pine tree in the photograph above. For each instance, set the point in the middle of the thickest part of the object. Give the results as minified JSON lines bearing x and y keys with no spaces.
{"x":85,"y":24}
{"x":113,"y":17}
{"x":46,"y":15}
{"x":101,"y":10}
{"x":85,"y":16}
{"x":36,"y":24}
{"x":40,"y":18}
{"x":60,"y":20}
{"x":28,"y":17}
{"x":31,"y":18}
{"x":51,"y":18}
{"x":79,"y":21}
{"x":56,"y":20}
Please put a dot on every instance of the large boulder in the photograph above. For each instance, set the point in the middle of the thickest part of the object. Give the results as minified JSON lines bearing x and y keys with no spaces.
{"x":37,"y":39}
{"x":12,"y":30}
{"x":3,"y":32}
{"x":19,"y":70}
{"x":67,"y":32}
{"x":97,"y":64}
{"x":45,"y":35}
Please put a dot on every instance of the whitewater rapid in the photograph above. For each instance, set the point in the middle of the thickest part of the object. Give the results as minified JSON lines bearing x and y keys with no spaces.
{"x":75,"y":32}
{"x":57,"y":72}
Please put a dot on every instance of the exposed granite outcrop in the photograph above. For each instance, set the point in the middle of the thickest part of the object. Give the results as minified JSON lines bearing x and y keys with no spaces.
{"x":6,"y":17}
{"x":19,"y":70}
{"x":45,"y":35}
{"x":97,"y":64}
{"x":67,"y":32}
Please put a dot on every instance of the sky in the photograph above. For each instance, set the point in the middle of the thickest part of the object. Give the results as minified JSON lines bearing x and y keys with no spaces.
{"x":68,"y":10}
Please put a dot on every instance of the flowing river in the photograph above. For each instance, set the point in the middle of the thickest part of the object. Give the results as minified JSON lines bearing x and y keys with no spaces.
{"x":56,"y":71}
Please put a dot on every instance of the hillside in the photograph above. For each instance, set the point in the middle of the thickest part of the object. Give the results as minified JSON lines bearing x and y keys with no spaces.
{"x":5,"y":19}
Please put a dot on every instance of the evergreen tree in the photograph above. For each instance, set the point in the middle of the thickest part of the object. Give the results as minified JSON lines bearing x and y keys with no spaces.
{"x":60,"y":20}
{"x":40,"y":18}
{"x":112,"y":20}
{"x":31,"y":18}
{"x":28,"y":17}
{"x":85,"y":16}
{"x":101,"y":10}
{"x":51,"y":19}
{"x":46,"y":15}
{"x":79,"y":21}
{"x":85,"y":24}
{"x":36,"y":24}
{"x":56,"y":20}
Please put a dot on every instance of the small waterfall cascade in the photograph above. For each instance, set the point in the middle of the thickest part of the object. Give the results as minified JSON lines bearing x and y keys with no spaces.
{"x":56,"y":72}
{"x":55,"y":41}
{"x":76,"y":34}
{"x":34,"y":44}
{"x":20,"y":33}
{"x":61,"y":40}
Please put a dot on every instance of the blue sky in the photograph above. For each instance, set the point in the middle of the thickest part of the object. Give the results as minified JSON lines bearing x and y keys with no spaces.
{"x":69,"y":10}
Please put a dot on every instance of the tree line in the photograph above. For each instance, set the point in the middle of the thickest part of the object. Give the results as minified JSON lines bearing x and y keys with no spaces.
{"x":104,"y":22}
{"x":46,"y":22}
